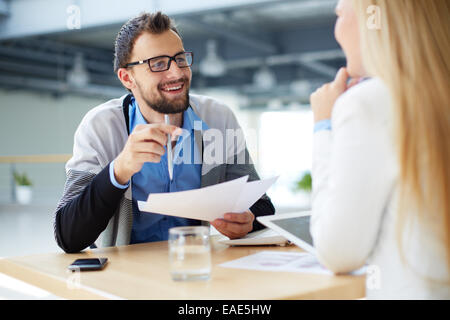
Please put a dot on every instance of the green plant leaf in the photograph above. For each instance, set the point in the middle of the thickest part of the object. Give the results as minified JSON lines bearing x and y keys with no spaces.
{"x":21,"y":179}
{"x":305,"y":183}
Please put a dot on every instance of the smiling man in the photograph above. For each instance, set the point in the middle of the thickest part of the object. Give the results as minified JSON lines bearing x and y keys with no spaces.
{"x":120,"y":157}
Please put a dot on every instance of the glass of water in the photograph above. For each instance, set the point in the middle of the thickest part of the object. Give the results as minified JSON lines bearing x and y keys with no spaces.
{"x":189,"y":253}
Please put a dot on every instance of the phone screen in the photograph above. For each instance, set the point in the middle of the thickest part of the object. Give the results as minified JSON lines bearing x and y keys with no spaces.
{"x":88,"y":264}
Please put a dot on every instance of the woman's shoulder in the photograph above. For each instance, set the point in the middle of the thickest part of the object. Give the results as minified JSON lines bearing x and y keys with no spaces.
{"x":370,"y":97}
{"x":368,"y":86}
{"x":370,"y":91}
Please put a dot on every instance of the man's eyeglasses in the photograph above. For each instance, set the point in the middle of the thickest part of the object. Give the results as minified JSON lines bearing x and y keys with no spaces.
{"x":162,"y":63}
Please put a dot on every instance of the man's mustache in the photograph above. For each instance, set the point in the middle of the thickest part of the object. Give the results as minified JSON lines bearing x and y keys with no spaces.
{"x":184,"y":80}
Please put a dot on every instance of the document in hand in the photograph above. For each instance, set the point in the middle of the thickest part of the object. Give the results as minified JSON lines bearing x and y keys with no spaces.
{"x":208,"y":203}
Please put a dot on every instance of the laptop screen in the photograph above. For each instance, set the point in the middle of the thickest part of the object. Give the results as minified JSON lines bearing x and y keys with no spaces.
{"x":298,"y":226}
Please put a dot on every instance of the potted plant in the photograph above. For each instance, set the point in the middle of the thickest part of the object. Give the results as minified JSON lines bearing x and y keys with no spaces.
{"x":304,"y":187}
{"x":24,"y":191}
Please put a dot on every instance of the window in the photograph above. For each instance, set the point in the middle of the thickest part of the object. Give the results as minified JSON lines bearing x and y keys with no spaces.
{"x":285,"y":149}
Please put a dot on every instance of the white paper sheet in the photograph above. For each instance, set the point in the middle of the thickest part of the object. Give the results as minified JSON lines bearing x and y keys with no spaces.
{"x":282,"y":261}
{"x":257,"y":238}
{"x":208,"y":203}
{"x":251,"y":192}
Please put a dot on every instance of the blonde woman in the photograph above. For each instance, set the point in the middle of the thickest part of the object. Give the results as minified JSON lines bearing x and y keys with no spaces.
{"x":381,"y":159}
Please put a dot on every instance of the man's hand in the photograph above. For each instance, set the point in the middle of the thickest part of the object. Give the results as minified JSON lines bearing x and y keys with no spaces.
{"x":323,"y":99}
{"x":235,"y":225}
{"x":145,"y":144}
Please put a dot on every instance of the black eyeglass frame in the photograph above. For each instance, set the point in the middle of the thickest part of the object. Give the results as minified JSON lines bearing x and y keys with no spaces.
{"x":168,"y":64}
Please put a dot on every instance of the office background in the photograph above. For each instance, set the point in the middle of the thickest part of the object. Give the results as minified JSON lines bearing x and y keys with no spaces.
{"x":261,"y":57}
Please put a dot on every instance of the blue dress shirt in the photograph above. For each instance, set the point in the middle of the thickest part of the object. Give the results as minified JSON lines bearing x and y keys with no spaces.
{"x":154,"y":178}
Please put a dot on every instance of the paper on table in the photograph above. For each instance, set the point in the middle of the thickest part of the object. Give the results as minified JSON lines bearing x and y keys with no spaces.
{"x":207,"y":203}
{"x":282,"y":261}
{"x":257,"y":238}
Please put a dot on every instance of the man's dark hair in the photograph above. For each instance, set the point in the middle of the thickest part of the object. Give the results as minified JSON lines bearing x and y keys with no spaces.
{"x":155,"y":23}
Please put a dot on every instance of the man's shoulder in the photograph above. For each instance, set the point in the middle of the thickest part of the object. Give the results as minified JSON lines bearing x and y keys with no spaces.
{"x":207,"y":103}
{"x":100,"y":137}
{"x":210,"y":109}
{"x":110,"y":108}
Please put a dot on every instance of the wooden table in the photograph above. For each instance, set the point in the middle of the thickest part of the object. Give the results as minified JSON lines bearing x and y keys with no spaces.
{"x":142,"y":272}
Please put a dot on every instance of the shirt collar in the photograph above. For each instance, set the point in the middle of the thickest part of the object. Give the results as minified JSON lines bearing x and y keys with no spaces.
{"x":191,"y":121}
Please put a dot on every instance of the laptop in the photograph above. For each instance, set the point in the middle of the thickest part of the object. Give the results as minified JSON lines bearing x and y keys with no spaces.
{"x":293,"y":226}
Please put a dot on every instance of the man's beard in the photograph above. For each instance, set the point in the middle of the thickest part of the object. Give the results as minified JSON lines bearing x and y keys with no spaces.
{"x":163,"y":105}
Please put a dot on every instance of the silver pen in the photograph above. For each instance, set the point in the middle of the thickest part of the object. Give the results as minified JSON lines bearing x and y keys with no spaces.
{"x":169,"y":149}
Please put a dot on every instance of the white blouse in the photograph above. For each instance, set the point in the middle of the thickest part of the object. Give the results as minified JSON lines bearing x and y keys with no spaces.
{"x":354,"y":199}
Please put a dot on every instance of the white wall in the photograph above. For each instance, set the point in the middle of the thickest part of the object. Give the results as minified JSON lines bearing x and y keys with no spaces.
{"x":35,"y":123}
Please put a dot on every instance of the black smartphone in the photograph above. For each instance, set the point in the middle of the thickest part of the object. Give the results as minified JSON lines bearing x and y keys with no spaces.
{"x":88,"y":264}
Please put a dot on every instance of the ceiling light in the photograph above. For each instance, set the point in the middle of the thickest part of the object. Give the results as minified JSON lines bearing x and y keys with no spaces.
{"x":275,"y":104}
{"x":264,"y":78}
{"x":212,"y":65}
{"x":78,"y":76}
{"x":301,"y":87}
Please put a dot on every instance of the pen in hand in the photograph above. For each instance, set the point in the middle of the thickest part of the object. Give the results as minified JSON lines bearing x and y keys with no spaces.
{"x":169,"y":149}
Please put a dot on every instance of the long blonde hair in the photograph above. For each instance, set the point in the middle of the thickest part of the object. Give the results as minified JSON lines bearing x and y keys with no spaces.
{"x":406,"y":43}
